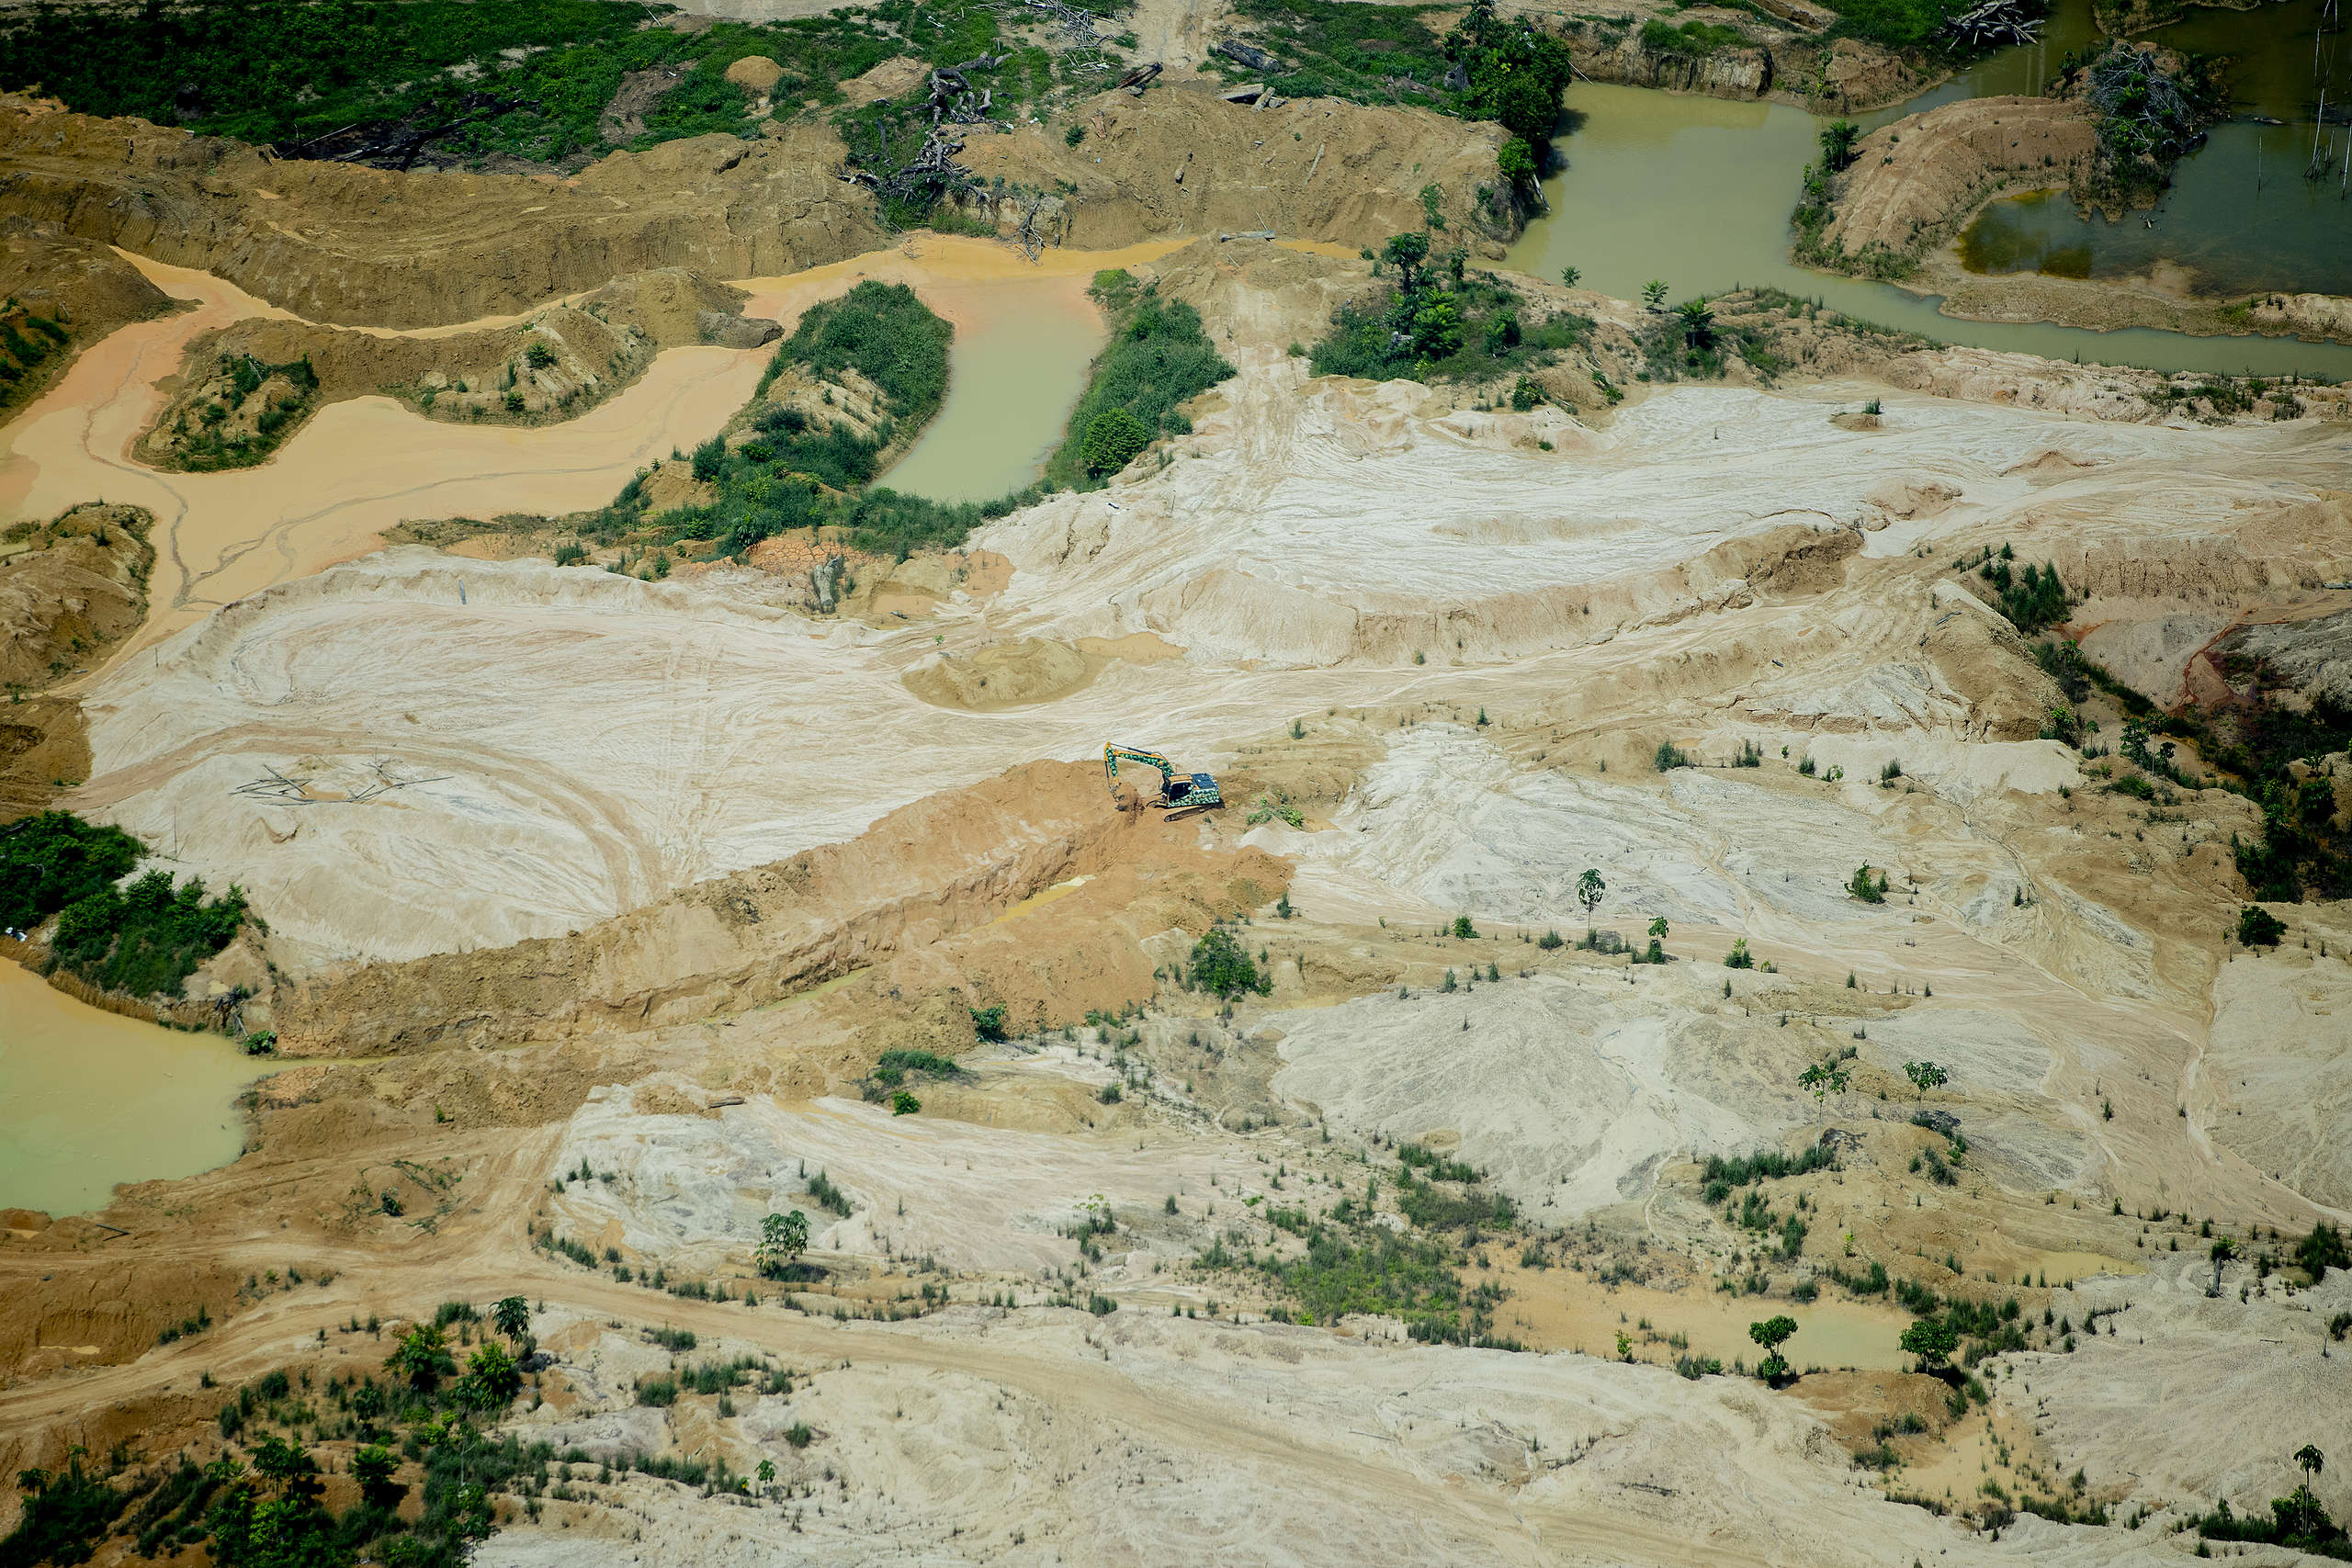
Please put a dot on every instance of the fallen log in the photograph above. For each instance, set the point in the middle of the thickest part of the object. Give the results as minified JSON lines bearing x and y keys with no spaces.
{"x":1250,"y":55}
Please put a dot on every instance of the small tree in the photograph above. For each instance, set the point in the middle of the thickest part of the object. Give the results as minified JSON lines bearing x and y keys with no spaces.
{"x":372,"y":1468}
{"x":2258,"y":927}
{"x":1406,"y":252}
{"x":767,"y":1473}
{"x":1654,"y":293}
{"x":2312,"y":1460}
{"x":1932,"y":1339}
{"x":492,"y":1380}
{"x":1570,"y":276}
{"x":1738,"y":957}
{"x":783,"y":1238}
{"x":1925,"y":1076}
{"x":511,"y":1317}
{"x":1658,"y":940}
{"x":1772,"y":1333}
{"x":2221,"y":1251}
{"x":1869,"y":889}
{"x":1113,"y":439}
{"x":1821,"y":1080}
{"x":421,"y":1359}
{"x":1590,"y":889}
{"x":2322,"y":1250}
{"x":1698,"y":318}
{"x":1838,"y":138}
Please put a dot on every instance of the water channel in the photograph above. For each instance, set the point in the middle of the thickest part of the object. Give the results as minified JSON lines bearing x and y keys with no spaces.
{"x":1698,"y":191}
{"x":93,"y":1098}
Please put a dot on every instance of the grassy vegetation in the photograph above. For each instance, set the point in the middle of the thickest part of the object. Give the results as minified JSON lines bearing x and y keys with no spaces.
{"x":1157,"y":358}
{"x":208,"y":446}
{"x":1441,"y":322}
{"x":27,"y":340}
{"x":1513,"y":75}
{"x":527,"y":79}
{"x":1896,"y":24}
{"x":1692,"y":41}
{"x":2250,"y":744}
{"x":144,"y":939}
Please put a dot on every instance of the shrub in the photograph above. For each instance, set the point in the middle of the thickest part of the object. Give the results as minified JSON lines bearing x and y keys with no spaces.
{"x":1219,"y":964}
{"x":2258,"y":927}
{"x":1739,"y":957}
{"x":1669,"y":756}
{"x":1157,"y":358}
{"x":1869,"y":889}
{"x":987,"y":1023}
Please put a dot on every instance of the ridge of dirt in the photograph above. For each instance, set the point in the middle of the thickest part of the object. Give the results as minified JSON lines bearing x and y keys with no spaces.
{"x":348,"y":244}
{"x":756,"y":936}
{"x":1913,"y":182}
{"x":555,"y":364}
{"x":82,"y":286}
{"x":68,"y":588}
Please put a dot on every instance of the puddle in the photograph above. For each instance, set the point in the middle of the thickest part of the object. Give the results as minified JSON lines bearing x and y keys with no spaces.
{"x":1055,"y":893}
{"x":89,"y":1099}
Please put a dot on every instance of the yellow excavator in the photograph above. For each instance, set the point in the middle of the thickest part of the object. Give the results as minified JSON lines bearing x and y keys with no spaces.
{"x":1180,"y":793}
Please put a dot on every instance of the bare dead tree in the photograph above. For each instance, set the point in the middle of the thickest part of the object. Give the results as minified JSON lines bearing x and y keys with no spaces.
{"x":1995,"y":22}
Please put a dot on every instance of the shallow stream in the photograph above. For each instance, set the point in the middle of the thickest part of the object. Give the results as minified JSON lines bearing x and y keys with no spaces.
{"x":89,"y":1099}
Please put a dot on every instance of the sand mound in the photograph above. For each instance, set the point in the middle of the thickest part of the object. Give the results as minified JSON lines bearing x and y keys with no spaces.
{"x":1913,"y":182}
{"x":1003,"y":675}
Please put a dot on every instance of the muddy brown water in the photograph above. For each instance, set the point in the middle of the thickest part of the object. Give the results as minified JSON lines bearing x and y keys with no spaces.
{"x":89,"y":1099}
{"x":1698,"y":191}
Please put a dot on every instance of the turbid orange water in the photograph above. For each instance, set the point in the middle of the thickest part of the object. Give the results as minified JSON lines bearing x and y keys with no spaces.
{"x":89,"y":1099}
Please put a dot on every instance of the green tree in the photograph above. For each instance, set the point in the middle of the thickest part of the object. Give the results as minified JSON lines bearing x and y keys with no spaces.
{"x":511,"y":1317}
{"x":1738,"y":957}
{"x":1925,"y":1076}
{"x":1463,"y":928}
{"x":1113,"y":439}
{"x":1221,"y":965}
{"x":421,"y":1359}
{"x":1838,"y":138}
{"x":1654,"y":293}
{"x":2258,"y":927}
{"x":783,"y":1238}
{"x":1869,"y":889}
{"x":373,"y":1467}
{"x":1571,"y":276}
{"x":2322,"y":1250}
{"x":1823,"y":1080}
{"x":2312,"y":1460}
{"x":1437,"y":325}
{"x":1772,"y":1333}
{"x":1516,"y":159}
{"x":1406,"y":252}
{"x":1590,"y":890}
{"x":1698,"y":319}
{"x":987,"y":1023}
{"x":1932,"y":1339}
{"x":492,"y":1380}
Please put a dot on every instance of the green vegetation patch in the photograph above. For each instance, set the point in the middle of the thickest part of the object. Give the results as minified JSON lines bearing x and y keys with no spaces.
{"x":1691,"y":41}
{"x":27,"y":341}
{"x":530,"y":79}
{"x":144,"y":940}
{"x":1157,"y":358}
{"x":1441,"y":322}
{"x":1896,"y":24}
{"x":224,"y":435}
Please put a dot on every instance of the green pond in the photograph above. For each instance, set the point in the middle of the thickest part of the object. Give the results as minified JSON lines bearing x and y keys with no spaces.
{"x":92,"y":1099}
{"x":2265,"y":204}
{"x":1698,"y":191}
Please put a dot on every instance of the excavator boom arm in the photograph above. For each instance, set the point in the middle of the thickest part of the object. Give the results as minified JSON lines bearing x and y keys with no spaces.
{"x":1112,"y":753}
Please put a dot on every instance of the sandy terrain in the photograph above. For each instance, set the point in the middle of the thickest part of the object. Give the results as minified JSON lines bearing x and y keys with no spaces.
{"x":593,"y":903}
